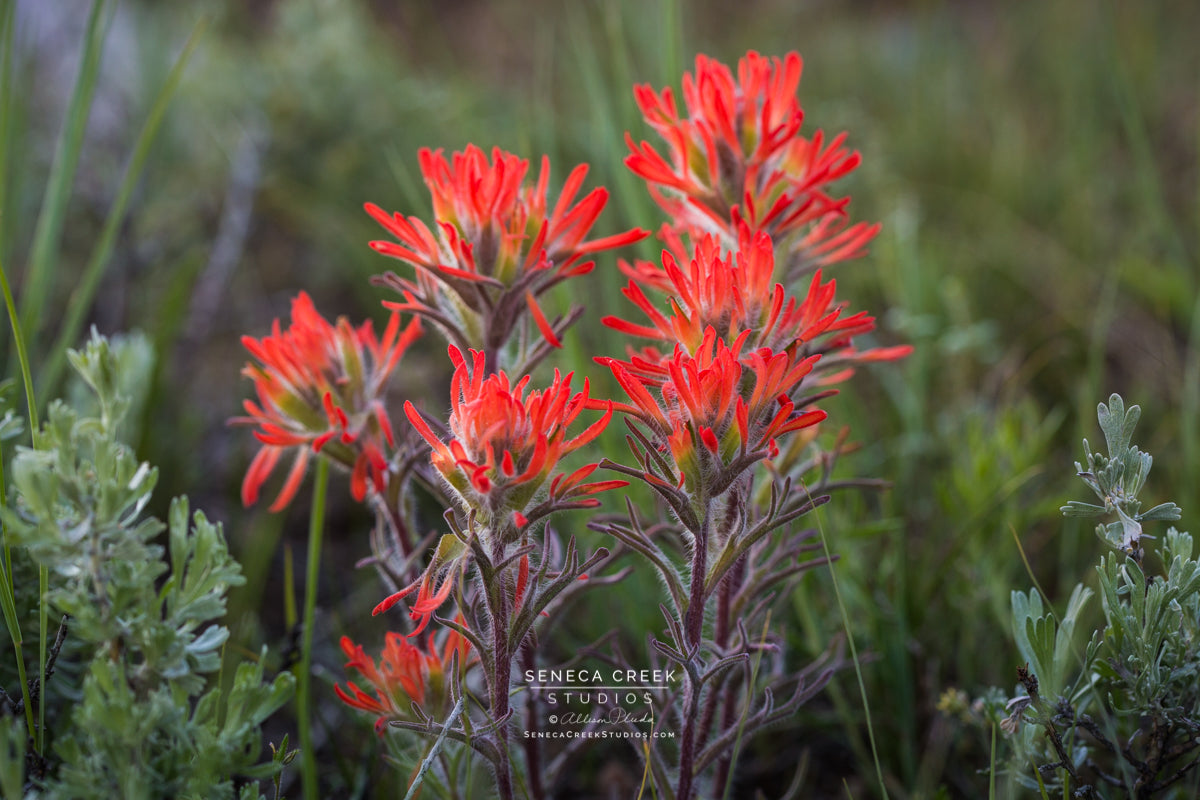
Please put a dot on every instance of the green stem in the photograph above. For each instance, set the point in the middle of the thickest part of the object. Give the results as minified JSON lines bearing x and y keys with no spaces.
{"x":316,"y":524}
{"x":37,"y":731}
{"x":7,"y":69}
{"x":7,"y":587}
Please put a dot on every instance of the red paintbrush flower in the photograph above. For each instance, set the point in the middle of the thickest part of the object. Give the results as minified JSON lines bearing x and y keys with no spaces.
{"x":733,"y":293}
{"x":404,"y":674}
{"x":504,"y":443}
{"x":717,"y":401}
{"x":737,"y":153}
{"x":428,"y":600}
{"x":495,"y":247}
{"x":320,"y":389}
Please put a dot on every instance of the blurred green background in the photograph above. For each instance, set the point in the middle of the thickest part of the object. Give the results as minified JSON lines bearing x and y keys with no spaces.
{"x":1034,"y":166}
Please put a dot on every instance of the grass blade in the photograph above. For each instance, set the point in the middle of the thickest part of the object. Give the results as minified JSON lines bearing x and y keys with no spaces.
{"x":862,"y":686}
{"x":9,"y":606}
{"x":85,"y":290}
{"x":43,"y":576}
{"x":48,"y":232}
{"x":7,"y":25}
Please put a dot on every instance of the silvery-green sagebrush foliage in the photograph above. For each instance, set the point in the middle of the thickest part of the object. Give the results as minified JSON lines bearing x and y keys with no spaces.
{"x":142,"y":724}
{"x":1119,"y":717}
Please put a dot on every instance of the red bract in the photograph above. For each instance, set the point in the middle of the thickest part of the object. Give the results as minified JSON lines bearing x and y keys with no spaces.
{"x":733,"y":293}
{"x":702,"y":402}
{"x":320,"y":390}
{"x":736,"y":294}
{"x":405,"y":674}
{"x":504,"y":444}
{"x":737,"y":153}
{"x":496,"y":245}
{"x":428,"y":600}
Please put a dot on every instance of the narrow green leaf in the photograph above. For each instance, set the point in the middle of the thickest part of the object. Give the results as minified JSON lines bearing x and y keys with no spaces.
{"x":44,"y":254}
{"x":85,"y":290}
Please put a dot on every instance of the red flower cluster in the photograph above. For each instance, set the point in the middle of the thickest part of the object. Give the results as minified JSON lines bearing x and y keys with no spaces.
{"x":737,"y":154}
{"x":704,"y":402}
{"x":320,"y":390}
{"x":752,"y":195}
{"x":504,"y":444}
{"x":498,"y":246}
{"x":735,"y":294}
{"x":405,"y":674}
{"x":732,"y":292}
{"x":736,"y":346}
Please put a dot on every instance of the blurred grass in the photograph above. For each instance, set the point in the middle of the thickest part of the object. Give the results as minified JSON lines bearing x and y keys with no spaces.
{"x":1034,"y":165}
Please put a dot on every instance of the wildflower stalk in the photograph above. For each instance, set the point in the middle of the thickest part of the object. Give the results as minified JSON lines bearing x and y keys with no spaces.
{"x":695,"y":611}
{"x":497,"y":598}
{"x":533,"y":749}
{"x":694,"y":627}
{"x":316,"y":525}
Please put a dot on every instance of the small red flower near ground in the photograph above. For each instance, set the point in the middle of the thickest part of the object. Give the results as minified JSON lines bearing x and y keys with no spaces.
{"x":428,"y":600}
{"x":320,"y":389}
{"x":403,"y":675}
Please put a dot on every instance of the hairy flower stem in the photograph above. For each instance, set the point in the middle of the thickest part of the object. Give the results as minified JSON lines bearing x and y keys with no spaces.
{"x":687,"y":742}
{"x":723,"y":693}
{"x":533,"y":749}
{"x":693,"y":634}
{"x":494,"y":342}
{"x":694,"y":619}
{"x":399,"y":531}
{"x":501,"y":667}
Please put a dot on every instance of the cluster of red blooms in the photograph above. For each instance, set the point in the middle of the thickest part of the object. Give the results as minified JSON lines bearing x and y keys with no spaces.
{"x":320,"y":389}
{"x":404,"y":675}
{"x":738,"y":155}
{"x":499,"y":245}
{"x":504,"y":445}
{"x":727,"y":371}
{"x":746,"y":189}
